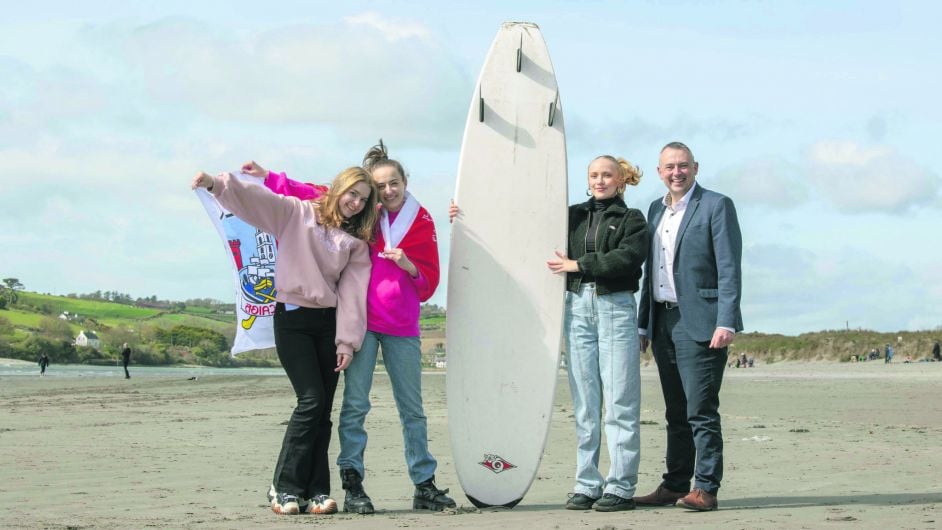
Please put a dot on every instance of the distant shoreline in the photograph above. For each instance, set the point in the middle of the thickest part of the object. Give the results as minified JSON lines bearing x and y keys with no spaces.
{"x":4,"y":361}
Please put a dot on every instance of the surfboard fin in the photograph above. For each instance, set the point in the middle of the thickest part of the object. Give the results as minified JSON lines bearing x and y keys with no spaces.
{"x":480,"y":106}
{"x":552,"y":110}
{"x":520,"y":54}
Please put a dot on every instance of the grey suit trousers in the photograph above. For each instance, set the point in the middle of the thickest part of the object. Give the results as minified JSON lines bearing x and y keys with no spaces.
{"x":691,"y":374}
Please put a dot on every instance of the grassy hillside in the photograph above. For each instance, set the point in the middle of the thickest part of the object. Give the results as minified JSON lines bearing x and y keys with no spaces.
{"x":102,"y":311}
{"x":35,"y":326}
{"x":834,"y":345}
{"x":37,"y":315}
{"x":157,"y":336}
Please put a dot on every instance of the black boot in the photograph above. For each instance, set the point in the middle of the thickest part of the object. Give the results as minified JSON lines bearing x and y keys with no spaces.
{"x":356,"y":499}
{"x":428,"y":497}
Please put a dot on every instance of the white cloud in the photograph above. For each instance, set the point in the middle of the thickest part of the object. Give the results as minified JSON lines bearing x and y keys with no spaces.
{"x":770,"y":181}
{"x":859,"y":178}
{"x":393,"y":30}
{"x":634,"y":133}
{"x":792,"y":290}
{"x":365,"y":76}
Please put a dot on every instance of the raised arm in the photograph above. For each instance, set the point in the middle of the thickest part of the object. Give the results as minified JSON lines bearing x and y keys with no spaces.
{"x":250,"y":202}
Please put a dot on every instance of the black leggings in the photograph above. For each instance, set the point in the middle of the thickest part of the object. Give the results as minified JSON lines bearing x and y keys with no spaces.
{"x":304,"y":338}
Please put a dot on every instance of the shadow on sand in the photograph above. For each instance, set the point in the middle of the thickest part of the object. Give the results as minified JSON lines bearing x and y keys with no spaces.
{"x":759,"y":503}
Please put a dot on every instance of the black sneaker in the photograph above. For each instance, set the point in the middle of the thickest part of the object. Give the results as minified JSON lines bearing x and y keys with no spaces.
{"x":356,"y":500}
{"x":428,"y":497}
{"x":578,"y":501}
{"x":613,"y":503}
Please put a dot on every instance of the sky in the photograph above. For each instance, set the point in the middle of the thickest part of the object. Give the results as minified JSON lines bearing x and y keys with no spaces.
{"x":814,"y":117}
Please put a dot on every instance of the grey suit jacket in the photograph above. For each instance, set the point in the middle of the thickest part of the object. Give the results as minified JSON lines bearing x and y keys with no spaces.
{"x":707,"y":266}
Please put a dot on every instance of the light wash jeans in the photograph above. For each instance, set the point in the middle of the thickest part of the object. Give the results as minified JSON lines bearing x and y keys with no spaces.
{"x":403,"y":359}
{"x":604,"y":367}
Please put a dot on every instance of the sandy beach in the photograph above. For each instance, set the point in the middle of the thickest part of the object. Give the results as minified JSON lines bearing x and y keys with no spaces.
{"x":807,"y":446}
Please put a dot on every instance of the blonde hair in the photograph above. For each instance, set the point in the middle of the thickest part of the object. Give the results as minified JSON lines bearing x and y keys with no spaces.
{"x":360,"y":225}
{"x":628,"y":173}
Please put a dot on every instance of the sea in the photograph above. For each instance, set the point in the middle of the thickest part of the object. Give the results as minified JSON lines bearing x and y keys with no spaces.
{"x":15,"y":368}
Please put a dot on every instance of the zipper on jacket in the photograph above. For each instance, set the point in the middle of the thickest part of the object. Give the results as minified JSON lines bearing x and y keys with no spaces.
{"x":585,"y":245}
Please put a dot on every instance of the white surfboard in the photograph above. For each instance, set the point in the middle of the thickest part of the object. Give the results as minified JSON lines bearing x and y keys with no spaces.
{"x":504,"y":306}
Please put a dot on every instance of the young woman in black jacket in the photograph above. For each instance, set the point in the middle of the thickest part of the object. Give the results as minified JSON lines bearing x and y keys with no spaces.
{"x":608,"y":243}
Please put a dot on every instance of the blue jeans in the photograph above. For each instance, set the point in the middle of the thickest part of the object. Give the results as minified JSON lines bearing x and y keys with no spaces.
{"x":604,"y":367}
{"x":403,"y":359}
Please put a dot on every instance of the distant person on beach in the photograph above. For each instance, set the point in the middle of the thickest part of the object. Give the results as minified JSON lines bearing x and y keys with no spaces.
{"x":607,"y":245}
{"x":689,"y":313}
{"x":936,"y":352}
{"x":888,"y":354}
{"x":126,"y":359}
{"x":322,"y":273}
{"x":405,"y":273}
{"x":43,"y":363}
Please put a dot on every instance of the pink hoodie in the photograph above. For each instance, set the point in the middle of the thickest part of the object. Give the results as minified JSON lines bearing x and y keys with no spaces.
{"x":317,"y":266}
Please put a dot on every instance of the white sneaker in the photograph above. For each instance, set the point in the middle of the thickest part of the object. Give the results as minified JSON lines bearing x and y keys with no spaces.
{"x":284,"y":503}
{"x":321,"y":505}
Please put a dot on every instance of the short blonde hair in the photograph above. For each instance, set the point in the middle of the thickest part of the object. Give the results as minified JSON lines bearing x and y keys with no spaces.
{"x":628,"y":173}
{"x":360,"y":225}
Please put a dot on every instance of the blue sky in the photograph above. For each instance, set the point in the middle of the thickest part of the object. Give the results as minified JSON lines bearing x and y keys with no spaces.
{"x":815,"y":117}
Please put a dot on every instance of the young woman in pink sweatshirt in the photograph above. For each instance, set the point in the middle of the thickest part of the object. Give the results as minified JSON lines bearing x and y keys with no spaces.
{"x":405,"y":273}
{"x":322,"y":273}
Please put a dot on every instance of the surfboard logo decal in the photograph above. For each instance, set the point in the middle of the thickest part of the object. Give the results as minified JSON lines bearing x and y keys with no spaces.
{"x":496,"y":463}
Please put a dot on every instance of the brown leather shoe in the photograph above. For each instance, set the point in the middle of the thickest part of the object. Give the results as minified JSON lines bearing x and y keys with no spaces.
{"x":661,"y":497}
{"x":698,"y":500}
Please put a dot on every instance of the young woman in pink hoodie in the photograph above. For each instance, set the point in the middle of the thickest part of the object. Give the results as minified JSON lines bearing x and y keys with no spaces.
{"x":322,"y":273}
{"x":405,"y":273}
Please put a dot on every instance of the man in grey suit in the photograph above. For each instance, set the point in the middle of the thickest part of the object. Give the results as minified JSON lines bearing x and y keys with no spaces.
{"x":689,"y":312}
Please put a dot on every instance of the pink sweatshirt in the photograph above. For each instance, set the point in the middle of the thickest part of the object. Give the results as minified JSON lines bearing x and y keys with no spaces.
{"x":317,"y":266}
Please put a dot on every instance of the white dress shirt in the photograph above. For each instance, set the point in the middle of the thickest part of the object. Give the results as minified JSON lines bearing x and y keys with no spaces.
{"x":665,"y":238}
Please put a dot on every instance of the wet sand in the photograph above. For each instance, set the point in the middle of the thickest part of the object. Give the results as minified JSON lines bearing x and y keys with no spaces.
{"x":807,"y":446}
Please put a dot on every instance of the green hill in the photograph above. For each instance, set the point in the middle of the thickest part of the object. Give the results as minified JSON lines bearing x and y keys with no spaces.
{"x":204,"y":333}
{"x":834,"y":345}
{"x":42,"y":322}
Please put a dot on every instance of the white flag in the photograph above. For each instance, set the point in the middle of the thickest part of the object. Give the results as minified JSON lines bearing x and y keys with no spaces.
{"x":252,"y":255}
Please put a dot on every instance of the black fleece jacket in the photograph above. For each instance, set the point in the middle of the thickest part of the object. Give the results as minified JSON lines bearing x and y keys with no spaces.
{"x":621,"y":247}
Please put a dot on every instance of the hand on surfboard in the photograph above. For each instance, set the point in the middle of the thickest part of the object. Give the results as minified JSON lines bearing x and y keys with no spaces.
{"x":453,"y":211}
{"x":251,"y":168}
{"x":563,"y":264}
{"x":399,"y":258}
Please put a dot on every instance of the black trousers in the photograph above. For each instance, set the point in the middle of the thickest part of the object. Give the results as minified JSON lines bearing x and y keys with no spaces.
{"x":304,"y":339}
{"x":691,"y":374}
